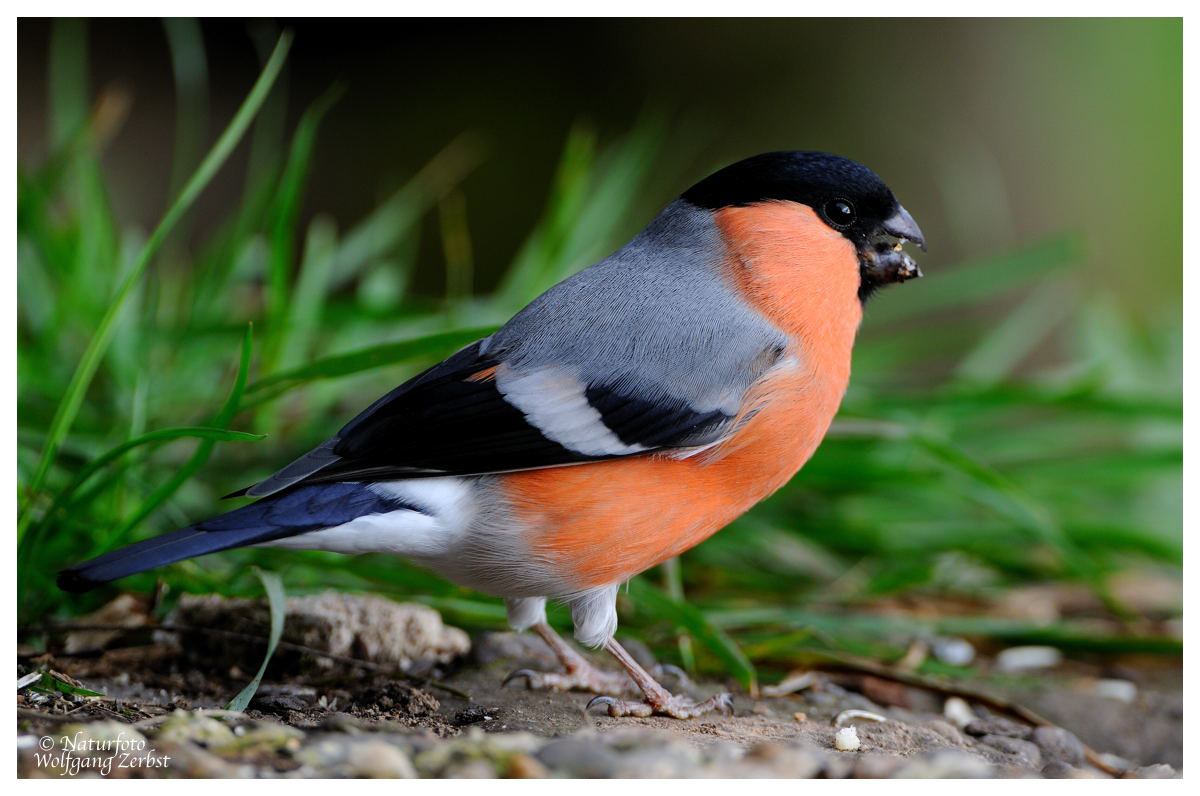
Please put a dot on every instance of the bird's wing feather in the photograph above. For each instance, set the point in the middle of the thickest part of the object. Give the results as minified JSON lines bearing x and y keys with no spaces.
{"x":628,"y":357}
{"x":450,"y":421}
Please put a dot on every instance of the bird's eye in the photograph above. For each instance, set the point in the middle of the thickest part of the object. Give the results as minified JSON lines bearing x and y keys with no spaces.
{"x":840,"y":213}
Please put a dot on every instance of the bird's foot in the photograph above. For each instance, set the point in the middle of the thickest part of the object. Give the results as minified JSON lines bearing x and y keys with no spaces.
{"x":580,"y":676}
{"x":677,"y":707}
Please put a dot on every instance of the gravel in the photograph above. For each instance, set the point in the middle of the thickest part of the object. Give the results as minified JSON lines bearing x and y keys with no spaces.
{"x":371,"y":725}
{"x":220,"y":744}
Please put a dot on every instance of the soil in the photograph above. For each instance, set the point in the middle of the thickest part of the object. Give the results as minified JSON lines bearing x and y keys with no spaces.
{"x":345,"y":720}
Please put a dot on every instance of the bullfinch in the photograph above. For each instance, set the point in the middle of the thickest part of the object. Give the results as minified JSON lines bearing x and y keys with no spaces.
{"x":622,"y":417}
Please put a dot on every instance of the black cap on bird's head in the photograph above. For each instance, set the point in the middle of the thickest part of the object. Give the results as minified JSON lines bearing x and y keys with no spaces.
{"x":846,"y":195}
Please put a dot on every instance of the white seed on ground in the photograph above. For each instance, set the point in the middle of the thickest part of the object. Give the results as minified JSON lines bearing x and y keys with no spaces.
{"x":850,"y":715}
{"x":1019,"y":659}
{"x":846,"y":740}
{"x":958,"y":711}
{"x":1120,"y":690}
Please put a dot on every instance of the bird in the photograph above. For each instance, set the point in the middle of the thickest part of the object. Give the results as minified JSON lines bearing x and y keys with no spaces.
{"x":620,"y":418}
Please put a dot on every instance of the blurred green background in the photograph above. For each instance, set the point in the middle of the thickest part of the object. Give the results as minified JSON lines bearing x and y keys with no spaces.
{"x":392,"y":189}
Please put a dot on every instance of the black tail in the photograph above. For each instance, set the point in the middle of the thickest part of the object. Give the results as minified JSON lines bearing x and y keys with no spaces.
{"x":307,"y":508}
{"x":159,"y":551}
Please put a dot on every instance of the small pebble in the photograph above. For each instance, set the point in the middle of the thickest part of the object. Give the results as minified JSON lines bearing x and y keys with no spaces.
{"x":998,"y":726}
{"x":1059,"y":744}
{"x":525,"y":767}
{"x":1119,"y":690}
{"x":1056,"y":769}
{"x":958,"y":711}
{"x":1023,"y":754}
{"x":351,"y":757}
{"x":945,"y":764}
{"x":877,"y":766}
{"x":1116,"y":761}
{"x":471,"y":769}
{"x":946,"y":730}
{"x":846,"y":740}
{"x":579,"y":757}
{"x":838,"y":767}
{"x":954,"y":651}
{"x":1022,"y":659}
{"x":1159,"y":771}
{"x":197,"y":727}
{"x":668,"y":762}
{"x":778,"y":759}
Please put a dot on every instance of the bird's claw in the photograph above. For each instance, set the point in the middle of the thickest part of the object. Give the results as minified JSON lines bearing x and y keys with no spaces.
{"x":674,"y":706}
{"x":602,"y":700}
{"x":528,"y":674}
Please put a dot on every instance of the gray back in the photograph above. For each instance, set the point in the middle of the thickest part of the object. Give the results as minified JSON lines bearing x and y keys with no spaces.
{"x":659,"y":316}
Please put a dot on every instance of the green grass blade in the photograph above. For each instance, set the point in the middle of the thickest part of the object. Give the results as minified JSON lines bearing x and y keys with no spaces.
{"x":1001,"y":350}
{"x":203,"y":451}
{"x":73,"y":141}
{"x":393,"y":220}
{"x":150,"y":438}
{"x":456,"y":248}
{"x":312,"y":290}
{"x":50,"y":684}
{"x":190,"y":66}
{"x":468,"y":612}
{"x":977,"y":281}
{"x":526,"y":276}
{"x":587,"y":210}
{"x":278,"y":604}
{"x":688,"y":617}
{"x":289,"y":196}
{"x":69,"y":407}
{"x":369,"y":358}
{"x":838,"y":626}
{"x":672,"y":571}
{"x":267,"y":140}
{"x":68,"y":80}
{"x":1008,"y":498}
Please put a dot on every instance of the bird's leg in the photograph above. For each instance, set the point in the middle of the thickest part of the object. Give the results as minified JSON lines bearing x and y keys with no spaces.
{"x":581,"y":675}
{"x":659,"y":701}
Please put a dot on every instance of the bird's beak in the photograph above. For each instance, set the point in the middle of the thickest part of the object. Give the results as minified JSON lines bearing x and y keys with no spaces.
{"x":902,"y":225}
{"x":883,"y":261}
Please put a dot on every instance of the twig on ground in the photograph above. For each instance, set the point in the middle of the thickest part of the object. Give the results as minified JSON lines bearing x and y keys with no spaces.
{"x":175,"y":628}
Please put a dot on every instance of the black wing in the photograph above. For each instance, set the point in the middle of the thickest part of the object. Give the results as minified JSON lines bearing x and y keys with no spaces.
{"x":453,"y":419}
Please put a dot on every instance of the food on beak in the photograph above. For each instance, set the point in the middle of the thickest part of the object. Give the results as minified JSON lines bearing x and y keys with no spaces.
{"x":888,"y":262}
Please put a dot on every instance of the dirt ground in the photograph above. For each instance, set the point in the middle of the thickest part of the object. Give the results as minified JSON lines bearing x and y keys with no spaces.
{"x":335,"y":719}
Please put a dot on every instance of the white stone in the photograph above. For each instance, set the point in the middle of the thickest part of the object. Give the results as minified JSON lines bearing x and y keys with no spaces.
{"x":958,"y":711}
{"x":1019,"y":659}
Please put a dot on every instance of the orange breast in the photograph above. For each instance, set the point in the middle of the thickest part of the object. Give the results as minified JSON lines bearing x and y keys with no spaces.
{"x":602,"y":523}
